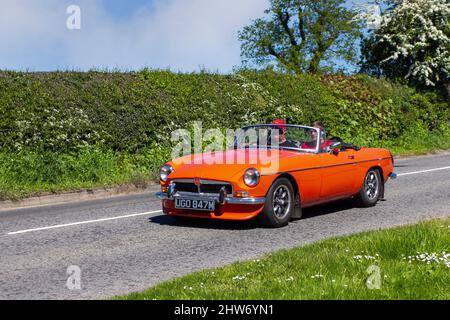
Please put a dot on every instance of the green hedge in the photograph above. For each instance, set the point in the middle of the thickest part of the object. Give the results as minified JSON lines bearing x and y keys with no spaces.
{"x":127,"y":112}
{"x":64,"y":129}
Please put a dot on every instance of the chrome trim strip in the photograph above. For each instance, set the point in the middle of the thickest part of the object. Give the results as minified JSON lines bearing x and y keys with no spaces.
{"x":228,"y":200}
{"x":183,"y":180}
{"x":325,"y":167}
{"x":186,"y":194}
{"x":248,"y":201}
{"x":202,"y":181}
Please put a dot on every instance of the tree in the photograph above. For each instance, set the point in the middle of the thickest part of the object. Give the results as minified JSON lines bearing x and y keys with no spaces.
{"x":301,"y":35}
{"x":412,"y":42}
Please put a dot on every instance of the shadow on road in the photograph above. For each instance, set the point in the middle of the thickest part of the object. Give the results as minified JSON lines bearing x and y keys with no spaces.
{"x":402,"y":166}
{"x":204,"y":223}
{"x":328,"y":208}
{"x":316,"y":211}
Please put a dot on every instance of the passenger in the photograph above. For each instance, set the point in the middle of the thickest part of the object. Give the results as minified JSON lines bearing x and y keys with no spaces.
{"x":313,"y":143}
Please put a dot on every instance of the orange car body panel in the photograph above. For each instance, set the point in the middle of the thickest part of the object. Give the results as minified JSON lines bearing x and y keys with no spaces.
{"x":320,"y":177}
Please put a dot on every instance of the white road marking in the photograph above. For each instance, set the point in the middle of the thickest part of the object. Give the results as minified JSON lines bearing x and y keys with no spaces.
{"x":424,"y":171}
{"x":84,"y":222}
{"x":159,"y":211}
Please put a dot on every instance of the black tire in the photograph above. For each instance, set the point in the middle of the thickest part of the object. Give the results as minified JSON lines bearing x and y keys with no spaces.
{"x":372,"y":188}
{"x":279,"y":205}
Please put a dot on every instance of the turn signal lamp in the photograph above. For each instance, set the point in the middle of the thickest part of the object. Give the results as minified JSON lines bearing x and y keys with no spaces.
{"x":241,"y":194}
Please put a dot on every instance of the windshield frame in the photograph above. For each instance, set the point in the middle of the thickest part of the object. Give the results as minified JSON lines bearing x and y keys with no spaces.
{"x":320,"y":135}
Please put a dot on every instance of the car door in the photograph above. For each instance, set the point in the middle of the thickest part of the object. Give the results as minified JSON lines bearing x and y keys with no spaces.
{"x":337,"y":174}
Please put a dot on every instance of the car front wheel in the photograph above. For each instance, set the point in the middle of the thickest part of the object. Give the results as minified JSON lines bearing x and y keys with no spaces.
{"x":279,"y":204}
{"x":371,"y":190}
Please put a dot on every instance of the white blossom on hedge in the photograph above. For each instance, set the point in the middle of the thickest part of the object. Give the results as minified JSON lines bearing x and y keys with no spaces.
{"x":418,"y":30}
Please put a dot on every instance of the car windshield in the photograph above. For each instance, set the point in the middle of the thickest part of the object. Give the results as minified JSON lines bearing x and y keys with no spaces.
{"x":288,"y":137}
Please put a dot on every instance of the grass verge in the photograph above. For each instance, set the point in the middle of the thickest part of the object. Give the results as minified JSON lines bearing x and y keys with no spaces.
{"x":32,"y":173}
{"x":413,"y":263}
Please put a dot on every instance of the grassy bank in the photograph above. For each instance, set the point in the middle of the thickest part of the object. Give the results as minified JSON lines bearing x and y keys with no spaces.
{"x":71,"y":130}
{"x":32,"y":173}
{"x":413,"y":262}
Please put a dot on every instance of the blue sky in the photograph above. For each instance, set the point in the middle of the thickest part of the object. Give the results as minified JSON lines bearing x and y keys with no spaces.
{"x":183,"y":35}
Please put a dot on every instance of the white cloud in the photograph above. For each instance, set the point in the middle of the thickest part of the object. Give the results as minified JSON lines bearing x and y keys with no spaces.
{"x":180,"y":34}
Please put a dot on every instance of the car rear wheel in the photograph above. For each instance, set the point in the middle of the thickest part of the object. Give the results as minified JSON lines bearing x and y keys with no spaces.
{"x":279,"y":205}
{"x":371,"y":190}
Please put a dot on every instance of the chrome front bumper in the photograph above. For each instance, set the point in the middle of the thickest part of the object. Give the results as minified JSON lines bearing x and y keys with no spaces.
{"x":227,"y":200}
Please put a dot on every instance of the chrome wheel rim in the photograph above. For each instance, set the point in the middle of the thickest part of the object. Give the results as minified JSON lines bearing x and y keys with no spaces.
{"x":371,"y":185}
{"x":281,"y":201}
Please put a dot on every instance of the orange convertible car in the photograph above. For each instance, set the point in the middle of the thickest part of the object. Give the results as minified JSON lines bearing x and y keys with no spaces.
{"x":272,"y":172}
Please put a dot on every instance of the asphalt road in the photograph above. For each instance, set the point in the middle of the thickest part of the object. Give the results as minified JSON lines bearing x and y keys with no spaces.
{"x":131,"y":253}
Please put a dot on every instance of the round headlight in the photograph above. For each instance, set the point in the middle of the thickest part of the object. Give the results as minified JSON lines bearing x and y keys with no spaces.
{"x":251,"y":177}
{"x":164,"y":172}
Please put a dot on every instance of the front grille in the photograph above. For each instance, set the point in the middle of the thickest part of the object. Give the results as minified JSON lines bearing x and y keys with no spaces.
{"x":205,"y":187}
{"x":186,"y":187}
{"x":215,"y":188}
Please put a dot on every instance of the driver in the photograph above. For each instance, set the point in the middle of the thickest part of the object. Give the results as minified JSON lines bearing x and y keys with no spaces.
{"x":280,"y":134}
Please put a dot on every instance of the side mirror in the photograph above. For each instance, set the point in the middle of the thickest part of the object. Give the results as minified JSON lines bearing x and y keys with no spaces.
{"x":335,"y":147}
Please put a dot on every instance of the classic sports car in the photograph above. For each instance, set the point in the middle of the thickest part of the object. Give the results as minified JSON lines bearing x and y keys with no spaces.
{"x":272,"y":172}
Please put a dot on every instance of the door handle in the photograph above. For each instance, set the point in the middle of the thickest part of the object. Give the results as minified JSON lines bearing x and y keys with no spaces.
{"x":351,"y":157}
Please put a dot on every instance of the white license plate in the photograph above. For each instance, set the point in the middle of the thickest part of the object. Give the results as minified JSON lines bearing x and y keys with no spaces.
{"x":195,"y":204}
